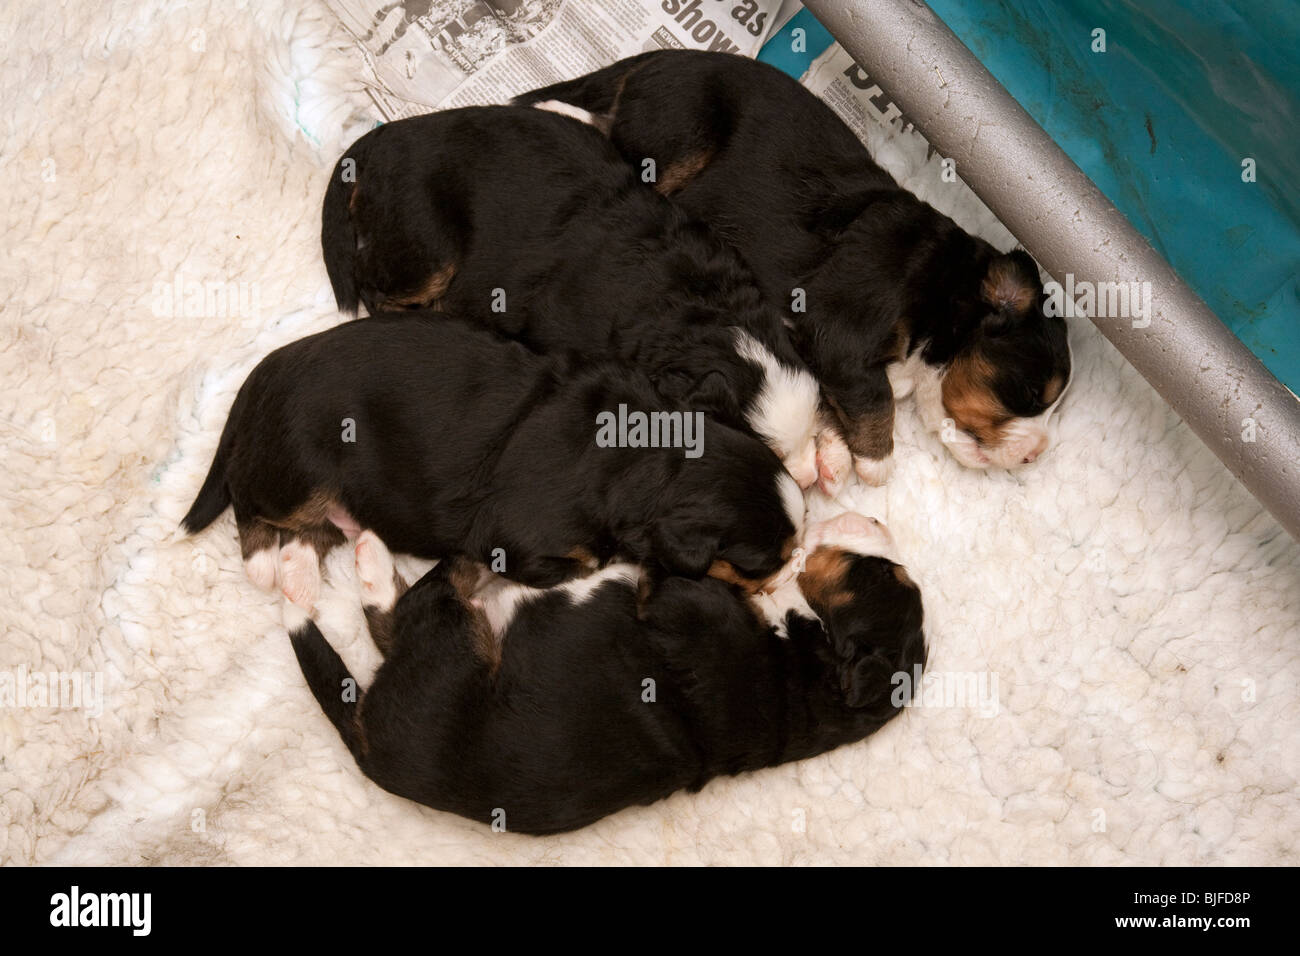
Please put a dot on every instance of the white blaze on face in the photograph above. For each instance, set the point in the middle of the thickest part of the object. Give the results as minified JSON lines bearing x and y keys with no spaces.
{"x":1021,"y":438}
{"x":914,"y":377}
{"x":852,"y":532}
{"x":784,"y":413}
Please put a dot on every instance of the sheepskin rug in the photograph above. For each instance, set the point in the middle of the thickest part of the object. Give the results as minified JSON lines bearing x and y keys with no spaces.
{"x":1128,"y":610}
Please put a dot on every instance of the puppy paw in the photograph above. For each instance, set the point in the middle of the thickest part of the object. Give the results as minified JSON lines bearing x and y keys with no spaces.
{"x":833,"y":462}
{"x":294,"y":617}
{"x":260,"y":566}
{"x":300,"y":574}
{"x":375,"y":571}
{"x":874,"y":471}
{"x":802,"y":465}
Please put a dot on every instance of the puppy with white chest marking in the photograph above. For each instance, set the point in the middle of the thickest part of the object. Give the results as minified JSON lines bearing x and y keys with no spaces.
{"x":543,"y":711}
{"x":446,"y":439}
{"x":885,"y":278}
{"x":531,"y":223}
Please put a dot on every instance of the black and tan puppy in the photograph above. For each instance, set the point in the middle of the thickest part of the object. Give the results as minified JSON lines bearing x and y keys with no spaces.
{"x":532,"y":224}
{"x":895,"y":296}
{"x":446,"y":439}
{"x":540,"y":712}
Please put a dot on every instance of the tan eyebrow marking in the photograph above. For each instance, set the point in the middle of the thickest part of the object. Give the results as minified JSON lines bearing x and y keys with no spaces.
{"x":429,"y":292}
{"x":725,"y":571}
{"x":968,"y":397}
{"x":822,"y":581}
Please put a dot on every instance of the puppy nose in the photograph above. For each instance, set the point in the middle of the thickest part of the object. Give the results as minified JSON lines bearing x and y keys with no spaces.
{"x":1039,"y":447}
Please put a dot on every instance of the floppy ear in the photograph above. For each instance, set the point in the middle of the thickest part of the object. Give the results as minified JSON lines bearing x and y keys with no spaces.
{"x":687,"y":374}
{"x":684,"y":548}
{"x":709,"y":391}
{"x":866,"y":680}
{"x":692,"y":387}
{"x":872,"y":646}
{"x":1010,"y":286}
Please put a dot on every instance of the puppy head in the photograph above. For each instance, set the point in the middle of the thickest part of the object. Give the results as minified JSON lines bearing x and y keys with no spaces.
{"x":735,"y":513}
{"x":1002,"y":386}
{"x":870,"y":607}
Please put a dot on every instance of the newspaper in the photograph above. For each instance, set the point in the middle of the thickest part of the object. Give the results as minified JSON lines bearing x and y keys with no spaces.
{"x":422,"y":55}
{"x":855,"y":97}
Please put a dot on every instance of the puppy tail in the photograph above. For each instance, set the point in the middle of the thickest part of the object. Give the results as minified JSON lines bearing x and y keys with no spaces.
{"x":338,"y":237}
{"x":331,"y":684}
{"x":596,"y":92}
{"x":214,"y":496}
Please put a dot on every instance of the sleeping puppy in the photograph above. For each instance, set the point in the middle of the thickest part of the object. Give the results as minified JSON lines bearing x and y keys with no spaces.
{"x":534,"y":225}
{"x":446,"y":439}
{"x":888,"y":282}
{"x":543,"y":711}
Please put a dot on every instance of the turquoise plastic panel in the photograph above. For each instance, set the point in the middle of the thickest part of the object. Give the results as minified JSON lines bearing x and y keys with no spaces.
{"x":779,"y":50}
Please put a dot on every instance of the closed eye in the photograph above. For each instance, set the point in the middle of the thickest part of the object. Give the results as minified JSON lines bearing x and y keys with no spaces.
{"x":992,"y":428}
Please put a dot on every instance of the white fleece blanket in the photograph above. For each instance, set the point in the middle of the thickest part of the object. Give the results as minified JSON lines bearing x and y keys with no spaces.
{"x":1135,"y":607}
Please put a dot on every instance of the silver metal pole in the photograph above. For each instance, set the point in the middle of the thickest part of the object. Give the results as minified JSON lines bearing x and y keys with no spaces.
{"x":1226,"y":396}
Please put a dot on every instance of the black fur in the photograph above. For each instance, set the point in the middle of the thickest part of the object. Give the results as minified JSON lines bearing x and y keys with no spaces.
{"x":791,"y":186}
{"x":558,"y":733}
{"x":465,"y":443}
{"x":540,"y":207}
